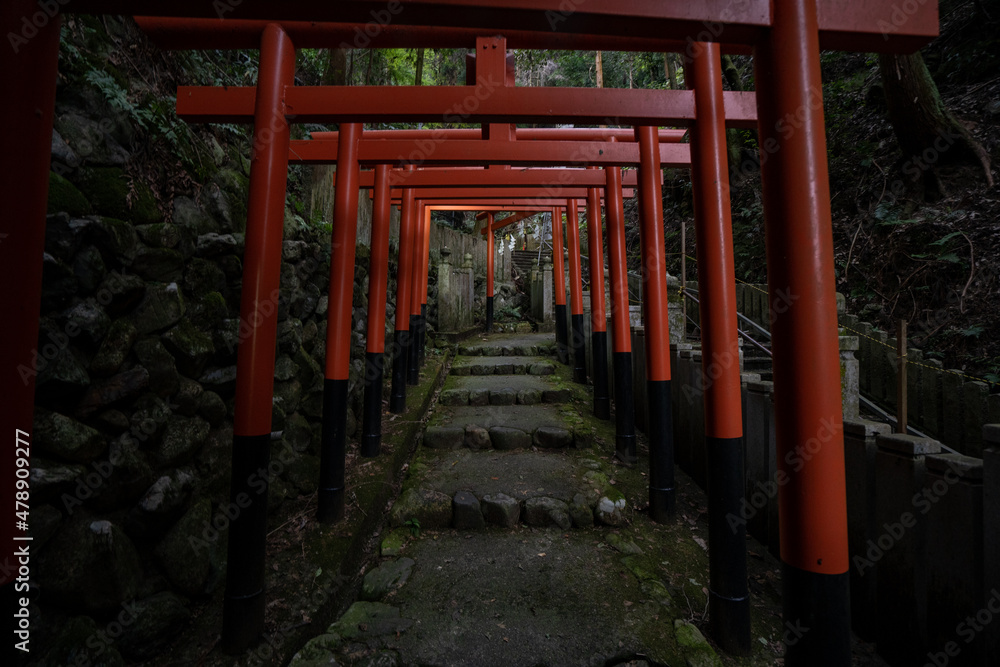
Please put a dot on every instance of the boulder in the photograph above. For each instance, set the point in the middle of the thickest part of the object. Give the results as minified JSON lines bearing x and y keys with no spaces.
{"x":504,"y":396}
{"x":432,"y":509}
{"x":506,"y":438}
{"x":162,"y":307}
{"x":184,"y":553}
{"x":161,"y":265}
{"x":91,"y":566}
{"x":191,"y":348}
{"x":610,"y":509}
{"x":112,"y":391}
{"x":386,"y":578}
{"x":501,"y":510}
{"x":543,"y":511}
{"x":182,"y":438}
{"x":551,"y":437}
{"x":467,"y":514}
{"x":164,"y":379}
{"x":115,"y":347}
{"x":477,"y":437}
{"x":65,"y":438}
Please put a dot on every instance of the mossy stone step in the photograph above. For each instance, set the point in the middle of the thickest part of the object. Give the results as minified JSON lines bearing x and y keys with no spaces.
{"x":507,"y":350}
{"x":516,"y":365}
{"x":502,"y":438}
{"x":496,"y":390}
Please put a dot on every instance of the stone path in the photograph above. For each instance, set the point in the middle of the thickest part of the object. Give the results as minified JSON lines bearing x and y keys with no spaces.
{"x":517,"y":540}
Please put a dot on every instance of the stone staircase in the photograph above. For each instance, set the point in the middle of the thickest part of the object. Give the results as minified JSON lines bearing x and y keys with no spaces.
{"x":525,"y":259}
{"x":518,"y":541}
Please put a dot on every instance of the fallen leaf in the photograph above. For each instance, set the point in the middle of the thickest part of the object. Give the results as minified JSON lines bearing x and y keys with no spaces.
{"x":542,"y":554}
{"x":627,"y":603}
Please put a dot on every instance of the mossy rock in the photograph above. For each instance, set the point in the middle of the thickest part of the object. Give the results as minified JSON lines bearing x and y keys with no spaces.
{"x":145,"y":209}
{"x":109,"y":190}
{"x":65,"y":197}
{"x":697,"y":651}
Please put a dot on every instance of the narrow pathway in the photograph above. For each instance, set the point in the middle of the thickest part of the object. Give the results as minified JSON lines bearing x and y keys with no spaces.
{"x":518,"y":541}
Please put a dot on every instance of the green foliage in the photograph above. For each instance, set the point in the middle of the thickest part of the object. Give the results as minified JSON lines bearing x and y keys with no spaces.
{"x":414,"y":525}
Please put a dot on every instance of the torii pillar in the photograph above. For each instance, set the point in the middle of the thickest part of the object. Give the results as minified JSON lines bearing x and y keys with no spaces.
{"x":371,"y":426}
{"x":728,"y":592}
{"x":598,"y":316}
{"x":812,"y":503}
{"x":489,"y":272}
{"x":657,"y":323}
{"x":243,"y":605}
{"x":340,"y":318}
{"x":404,"y":275}
{"x":575,"y":292}
{"x":559,"y":284}
{"x":620,"y":322}
{"x":416,"y":293}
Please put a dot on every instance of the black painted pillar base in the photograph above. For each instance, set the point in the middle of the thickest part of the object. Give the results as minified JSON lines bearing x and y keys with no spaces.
{"x":397,"y":397}
{"x":624,"y":408}
{"x":422,"y":348}
{"x":602,"y":390}
{"x":489,"y":314}
{"x":562,"y":339}
{"x":333,"y":452}
{"x":817,"y":615}
{"x":661,"y":451}
{"x":729,"y":595}
{"x":579,"y":350}
{"x":243,"y":605}
{"x":413,"y":368}
{"x":371,"y":424}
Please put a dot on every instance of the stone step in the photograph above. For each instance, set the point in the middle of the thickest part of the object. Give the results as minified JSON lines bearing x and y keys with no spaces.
{"x":513,"y":365}
{"x":508,"y":489}
{"x":494,"y":390}
{"x":498,"y":349}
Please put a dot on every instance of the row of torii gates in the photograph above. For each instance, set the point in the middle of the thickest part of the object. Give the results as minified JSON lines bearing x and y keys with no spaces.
{"x":785,"y":37}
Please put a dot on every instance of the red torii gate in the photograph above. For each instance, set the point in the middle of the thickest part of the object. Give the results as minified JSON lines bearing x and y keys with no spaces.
{"x":786,"y":41}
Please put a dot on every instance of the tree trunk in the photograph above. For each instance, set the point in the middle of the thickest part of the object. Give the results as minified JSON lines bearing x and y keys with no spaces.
{"x":600,"y":71}
{"x":734,"y":140}
{"x":321,"y":184}
{"x":418,"y":76}
{"x":732,"y":73}
{"x":928,"y":134}
{"x":670,"y":65}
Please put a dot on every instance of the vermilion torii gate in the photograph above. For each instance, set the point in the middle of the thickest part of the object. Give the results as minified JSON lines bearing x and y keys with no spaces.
{"x":785,"y":35}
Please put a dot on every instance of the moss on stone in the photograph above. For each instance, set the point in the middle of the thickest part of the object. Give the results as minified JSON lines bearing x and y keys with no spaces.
{"x":109,"y":190}
{"x":65,"y":197}
{"x":145,"y":209}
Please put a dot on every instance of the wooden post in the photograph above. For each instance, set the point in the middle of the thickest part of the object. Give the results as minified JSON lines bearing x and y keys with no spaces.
{"x":901,"y":377}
